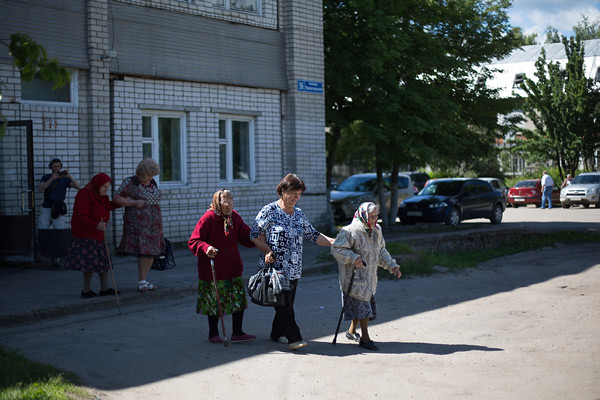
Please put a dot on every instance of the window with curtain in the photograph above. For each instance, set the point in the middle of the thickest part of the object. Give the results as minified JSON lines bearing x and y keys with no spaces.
{"x":163,"y":140}
{"x":236,"y":149}
{"x":239,"y":5}
{"x":39,"y":90}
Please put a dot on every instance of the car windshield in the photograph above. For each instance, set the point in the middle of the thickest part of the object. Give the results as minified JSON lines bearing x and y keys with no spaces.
{"x":443,"y":188}
{"x":586,"y":179}
{"x":528,"y":184}
{"x":357,"y":184}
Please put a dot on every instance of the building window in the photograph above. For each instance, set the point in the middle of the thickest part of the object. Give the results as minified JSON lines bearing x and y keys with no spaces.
{"x":40,"y":91}
{"x":239,"y":5}
{"x":519,"y":79}
{"x":163,"y":140}
{"x":236,"y":149}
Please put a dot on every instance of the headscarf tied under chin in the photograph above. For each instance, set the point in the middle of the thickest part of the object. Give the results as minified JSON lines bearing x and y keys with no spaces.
{"x":97,"y":182}
{"x":362,"y":215}
{"x":216,"y":207}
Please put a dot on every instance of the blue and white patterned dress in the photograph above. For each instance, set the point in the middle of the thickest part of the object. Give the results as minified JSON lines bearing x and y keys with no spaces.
{"x":285,"y":234}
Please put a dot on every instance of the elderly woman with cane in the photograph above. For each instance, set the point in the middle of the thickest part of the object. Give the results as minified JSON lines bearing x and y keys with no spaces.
{"x":215,"y":240}
{"x":360,"y":247}
{"x":87,"y":252}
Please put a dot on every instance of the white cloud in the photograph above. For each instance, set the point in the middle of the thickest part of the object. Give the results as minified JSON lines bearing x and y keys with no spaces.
{"x":534,"y":16}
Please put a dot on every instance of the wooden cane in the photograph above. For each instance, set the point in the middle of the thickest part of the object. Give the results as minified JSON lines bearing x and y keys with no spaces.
{"x":112,"y":274}
{"x":344,"y":304}
{"x":212,"y":266}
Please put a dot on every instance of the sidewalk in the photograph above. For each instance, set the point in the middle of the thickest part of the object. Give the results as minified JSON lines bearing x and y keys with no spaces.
{"x":29,"y":295}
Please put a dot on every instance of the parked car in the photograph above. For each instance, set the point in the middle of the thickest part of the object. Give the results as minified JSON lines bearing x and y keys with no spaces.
{"x":529,"y":191}
{"x":418,"y":178}
{"x":363,"y":187}
{"x":584,"y":190}
{"x":499,"y":185}
{"x":451,"y":201}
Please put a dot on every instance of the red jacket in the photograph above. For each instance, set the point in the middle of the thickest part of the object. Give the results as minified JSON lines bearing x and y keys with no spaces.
{"x":209,"y":232}
{"x":88,"y":209}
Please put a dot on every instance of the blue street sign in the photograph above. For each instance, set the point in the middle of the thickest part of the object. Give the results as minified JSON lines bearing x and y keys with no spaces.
{"x":310,"y":86}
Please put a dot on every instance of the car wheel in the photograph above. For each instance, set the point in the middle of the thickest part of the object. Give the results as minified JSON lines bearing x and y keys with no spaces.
{"x":538,"y":205}
{"x":496,"y":214}
{"x":586,"y":206}
{"x":514,"y":205}
{"x":453,"y":217}
{"x":564,"y":205}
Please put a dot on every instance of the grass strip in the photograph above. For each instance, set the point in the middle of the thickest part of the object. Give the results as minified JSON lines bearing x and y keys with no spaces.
{"x":471,"y":258}
{"x":21,"y":378}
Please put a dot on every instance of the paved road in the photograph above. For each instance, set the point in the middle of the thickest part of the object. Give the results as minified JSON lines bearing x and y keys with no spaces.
{"x":520,"y":327}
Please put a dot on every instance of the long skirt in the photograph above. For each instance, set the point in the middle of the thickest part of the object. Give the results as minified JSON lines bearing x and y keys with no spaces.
{"x":87,"y":255}
{"x":232,"y":293}
{"x":359,"y":309}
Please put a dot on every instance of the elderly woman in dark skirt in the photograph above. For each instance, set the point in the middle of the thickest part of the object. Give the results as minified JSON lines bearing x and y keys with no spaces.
{"x":216,"y":237}
{"x":87,"y":252}
{"x":142,"y":221}
{"x":360,"y":241}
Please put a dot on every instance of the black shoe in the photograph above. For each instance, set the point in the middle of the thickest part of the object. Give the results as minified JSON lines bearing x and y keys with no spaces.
{"x":352,"y":336}
{"x":108,"y":291}
{"x":88,"y":294}
{"x":370,"y":345}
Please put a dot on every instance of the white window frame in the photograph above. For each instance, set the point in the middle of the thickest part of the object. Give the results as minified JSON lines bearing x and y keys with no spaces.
{"x":154,"y":116}
{"x":74,"y":93}
{"x":226,"y":4}
{"x":228,"y":142}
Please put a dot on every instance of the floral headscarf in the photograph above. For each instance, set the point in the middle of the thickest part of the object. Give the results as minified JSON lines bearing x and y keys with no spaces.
{"x":362,"y":215}
{"x":216,"y":207}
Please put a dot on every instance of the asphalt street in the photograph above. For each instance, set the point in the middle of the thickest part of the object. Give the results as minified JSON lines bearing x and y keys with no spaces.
{"x":520,"y":327}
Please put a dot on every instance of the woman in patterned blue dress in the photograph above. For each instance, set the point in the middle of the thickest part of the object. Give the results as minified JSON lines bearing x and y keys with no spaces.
{"x":285,"y":227}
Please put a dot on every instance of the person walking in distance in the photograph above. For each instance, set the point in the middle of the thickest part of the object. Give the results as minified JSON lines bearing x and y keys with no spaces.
{"x":547,"y":184}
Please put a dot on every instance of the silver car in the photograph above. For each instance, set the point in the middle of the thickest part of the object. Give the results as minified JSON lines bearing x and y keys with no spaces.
{"x":584,"y":190}
{"x":360,"y":188}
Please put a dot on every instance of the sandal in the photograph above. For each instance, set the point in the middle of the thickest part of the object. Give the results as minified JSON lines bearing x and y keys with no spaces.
{"x":145,"y":285}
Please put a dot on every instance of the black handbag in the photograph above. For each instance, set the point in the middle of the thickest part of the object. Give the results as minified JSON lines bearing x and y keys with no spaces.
{"x":166,"y":260}
{"x":268,"y":286}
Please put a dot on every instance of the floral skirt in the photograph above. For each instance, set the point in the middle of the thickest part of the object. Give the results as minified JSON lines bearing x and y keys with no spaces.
{"x":87,"y":255}
{"x":232,"y":293}
{"x":359,"y":309}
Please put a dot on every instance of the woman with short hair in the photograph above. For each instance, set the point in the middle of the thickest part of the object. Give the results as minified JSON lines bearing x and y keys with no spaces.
{"x":142,"y":220}
{"x":285,"y":227}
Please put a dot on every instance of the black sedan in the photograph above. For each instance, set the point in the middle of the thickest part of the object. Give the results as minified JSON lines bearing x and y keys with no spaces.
{"x":452,"y":201}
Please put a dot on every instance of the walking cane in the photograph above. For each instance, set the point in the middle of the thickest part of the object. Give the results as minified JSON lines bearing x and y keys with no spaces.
{"x":212,"y":266}
{"x":345,"y":300}
{"x":112,"y":272}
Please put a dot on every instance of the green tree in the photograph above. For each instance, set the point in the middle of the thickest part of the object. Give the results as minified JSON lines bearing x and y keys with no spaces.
{"x":407,"y":71}
{"x":525,"y":40}
{"x":562,"y":106}
{"x":31,"y":59}
{"x":552,"y":35}
{"x":587,"y":30}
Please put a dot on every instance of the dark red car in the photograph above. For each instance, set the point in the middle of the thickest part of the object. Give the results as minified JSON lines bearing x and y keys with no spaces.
{"x":530,"y":192}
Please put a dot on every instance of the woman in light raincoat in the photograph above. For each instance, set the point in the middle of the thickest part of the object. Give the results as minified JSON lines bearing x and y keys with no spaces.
{"x":360,"y":241}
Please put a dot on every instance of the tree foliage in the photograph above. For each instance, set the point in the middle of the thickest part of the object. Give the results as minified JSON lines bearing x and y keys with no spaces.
{"x":563,"y":107}
{"x":31,"y":59}
{"x":406,"y":72}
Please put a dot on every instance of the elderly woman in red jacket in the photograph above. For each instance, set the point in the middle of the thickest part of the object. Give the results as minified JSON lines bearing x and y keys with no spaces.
{"x":87,"y":252}
{"x":216,"y":237}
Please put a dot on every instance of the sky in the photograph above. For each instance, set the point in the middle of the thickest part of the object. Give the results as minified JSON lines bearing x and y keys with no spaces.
{"x":533,"y":16}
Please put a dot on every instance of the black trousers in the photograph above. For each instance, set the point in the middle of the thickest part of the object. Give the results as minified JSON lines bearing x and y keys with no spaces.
{"x":284,"y":323}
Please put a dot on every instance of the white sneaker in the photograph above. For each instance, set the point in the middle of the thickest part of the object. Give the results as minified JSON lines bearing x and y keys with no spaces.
{"x":282,"y":340}
{"x":297,"y":345}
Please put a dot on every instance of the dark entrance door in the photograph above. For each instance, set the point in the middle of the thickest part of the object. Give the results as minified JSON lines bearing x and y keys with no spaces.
{"x":17,"y":196}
